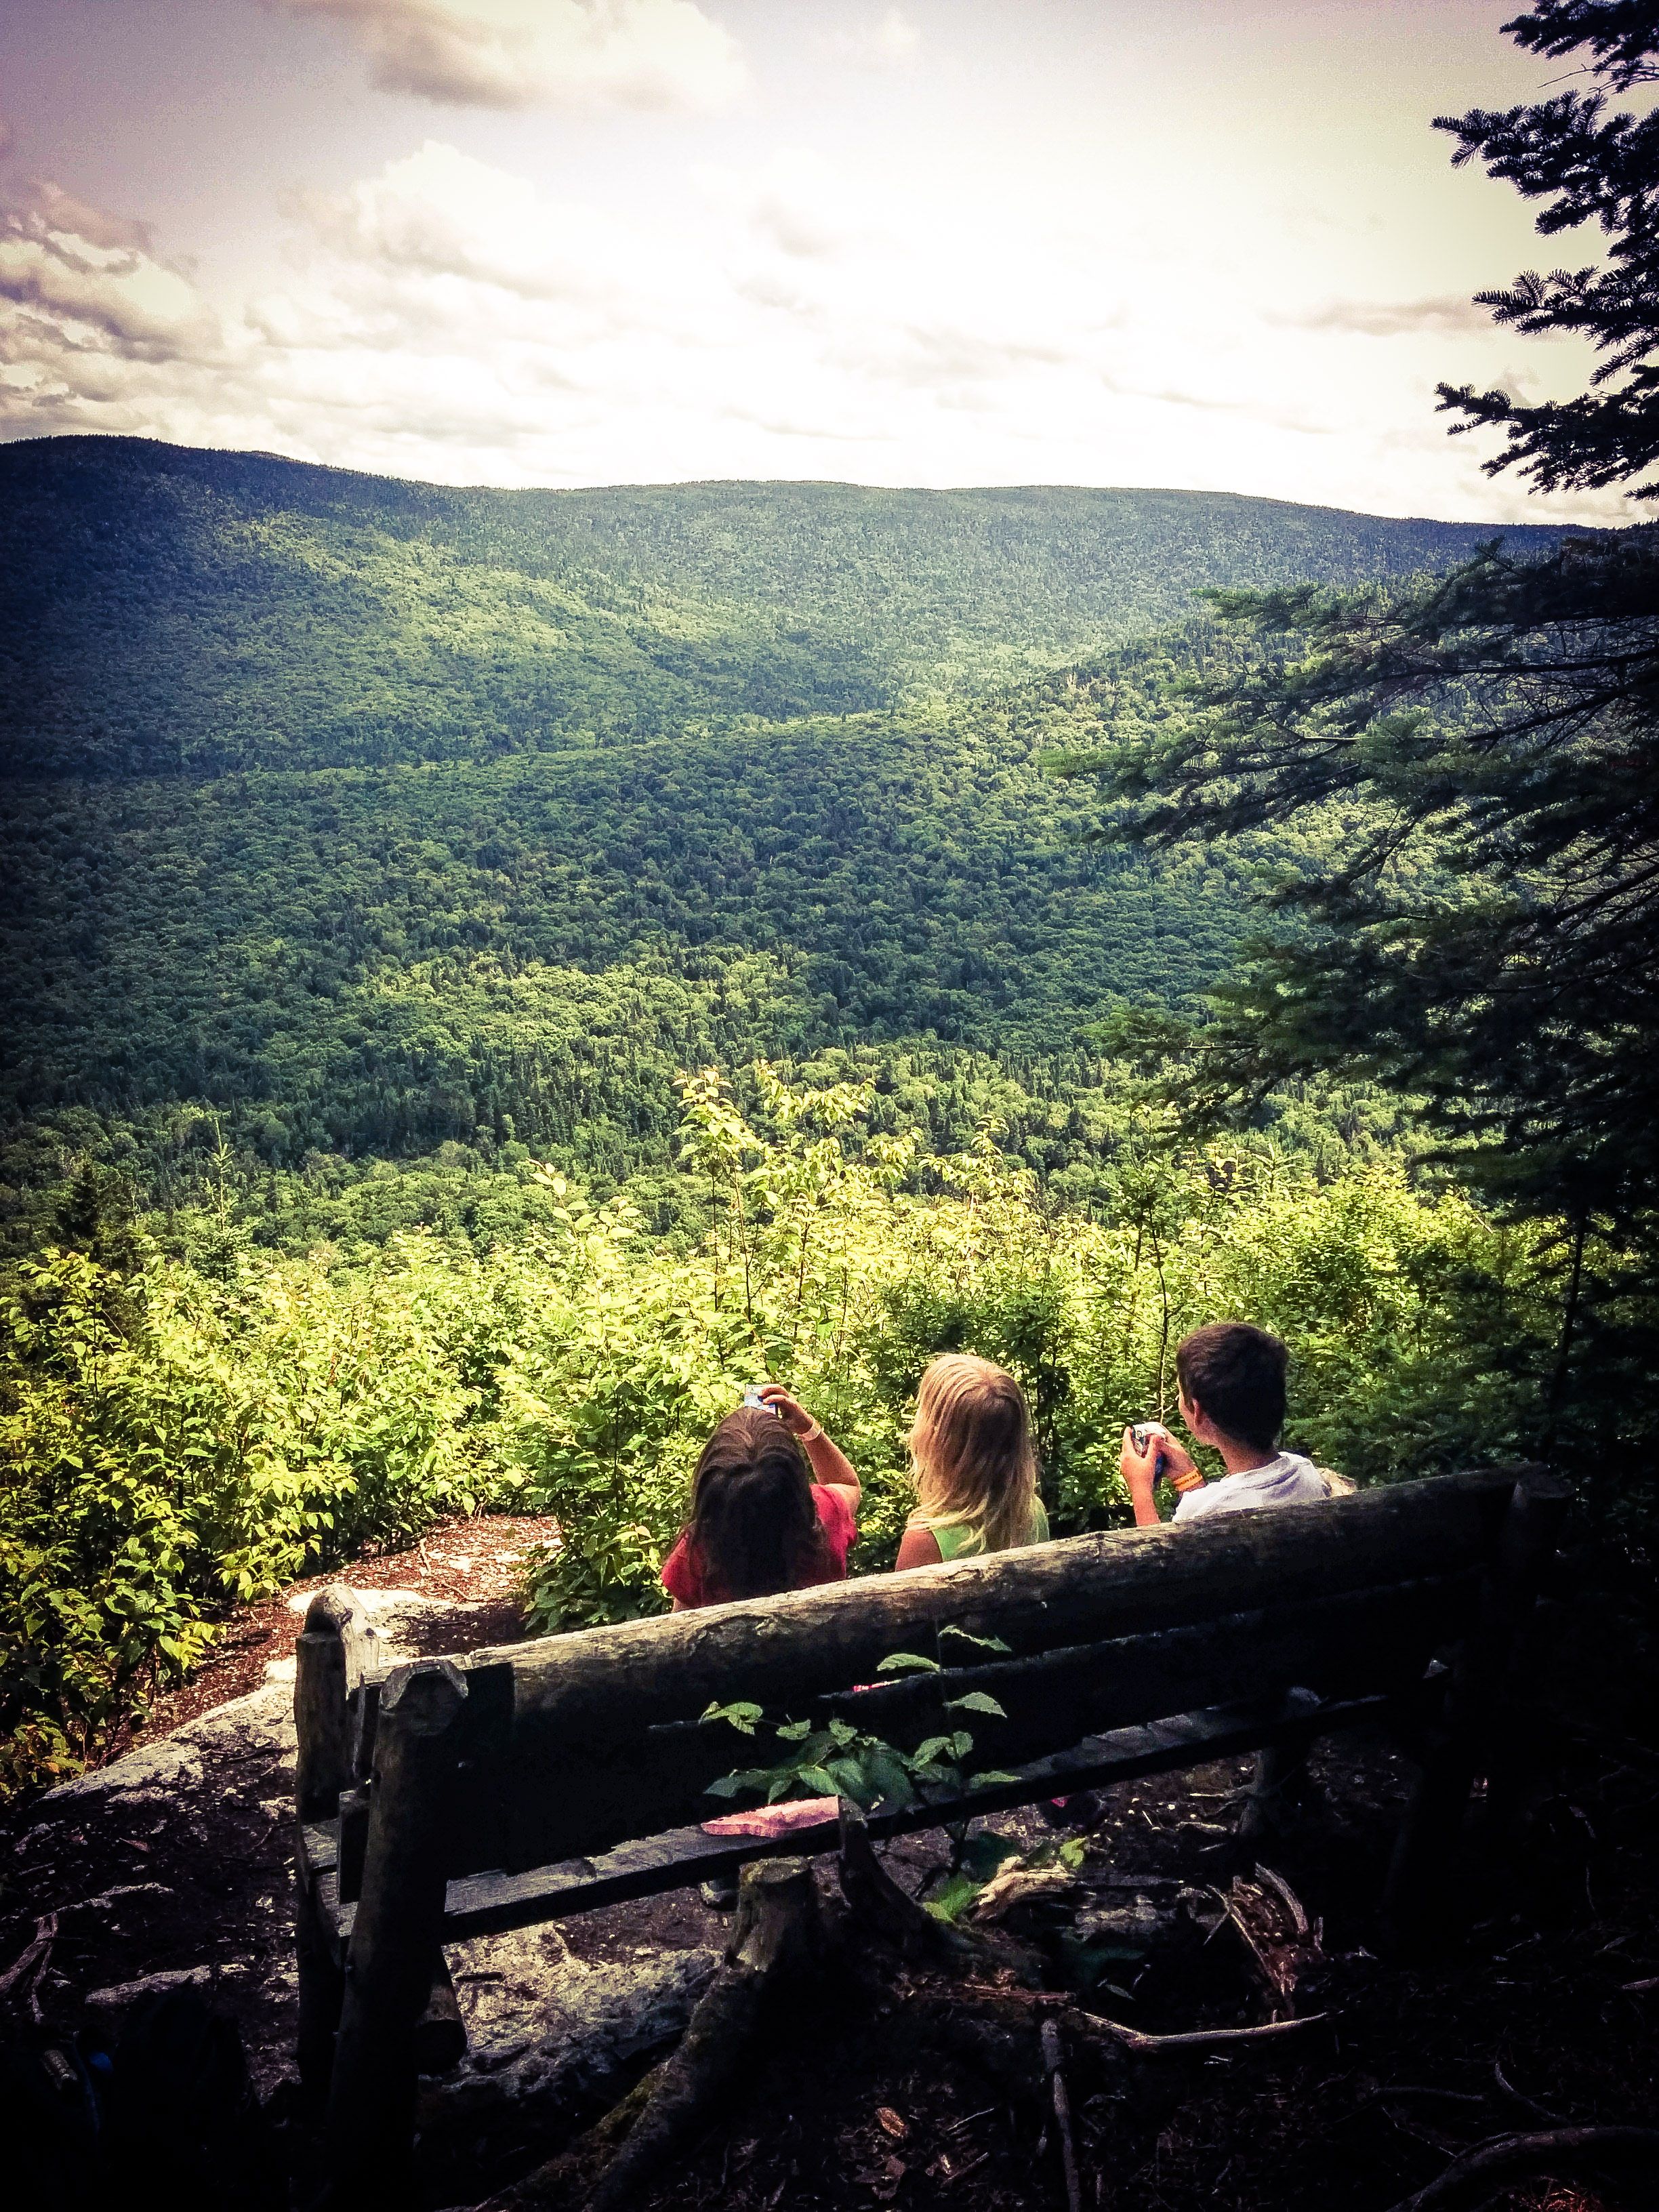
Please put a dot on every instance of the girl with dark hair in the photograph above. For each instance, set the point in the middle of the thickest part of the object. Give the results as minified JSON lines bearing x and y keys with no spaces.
{"x":773,"y":1507}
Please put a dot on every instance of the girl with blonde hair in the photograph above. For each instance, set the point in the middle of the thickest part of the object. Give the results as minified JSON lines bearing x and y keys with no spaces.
{"x":975,"y":1465}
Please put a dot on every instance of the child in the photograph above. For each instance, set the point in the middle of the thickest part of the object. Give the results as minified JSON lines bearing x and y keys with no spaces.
{"x":975,"y":1466}
{"x":759,"y":1522}
{"x":1232,"y":1396}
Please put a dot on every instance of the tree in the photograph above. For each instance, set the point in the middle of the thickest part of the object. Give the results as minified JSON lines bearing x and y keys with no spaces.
{"x":1590,"y":167}
{"x":1475,"y":758}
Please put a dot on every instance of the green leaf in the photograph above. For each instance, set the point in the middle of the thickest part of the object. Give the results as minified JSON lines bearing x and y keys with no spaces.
{"x":979,"y":1642}
{"x":817,"y":1781}
{"x":742,"y":1715}
{"x":953,"y":1898}
{"x":991,"y":1777}
{"x":909,"y":1662}
{"x":976,"y":1701}
{"x":850,"y":1780}
{"x":794,"y":1731}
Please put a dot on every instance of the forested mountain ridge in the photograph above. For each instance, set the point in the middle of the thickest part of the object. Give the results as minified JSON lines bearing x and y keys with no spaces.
{"x":165,"y":608}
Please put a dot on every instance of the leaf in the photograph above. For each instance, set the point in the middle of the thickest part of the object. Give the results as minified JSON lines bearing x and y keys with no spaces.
{"x":794,"y":1731}
{"x":909,"y":1662}
{"x":851,"y":1781}
{"x":992,"y":1777}
{"x":976,"y":1701}
{"x":822,"y":1784}
{"x":979,"y":1642}
{"x":889,"y":1775}
{"x":742,"y":1715}
{"x":955,"y":1895}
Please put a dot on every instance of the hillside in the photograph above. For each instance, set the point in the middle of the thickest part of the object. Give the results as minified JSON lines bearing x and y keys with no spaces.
{"x":356,"y":818}
{"x":163,"y":608}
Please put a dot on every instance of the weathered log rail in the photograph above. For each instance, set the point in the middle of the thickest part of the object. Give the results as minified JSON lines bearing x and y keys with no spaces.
{"x":516,"y":1784}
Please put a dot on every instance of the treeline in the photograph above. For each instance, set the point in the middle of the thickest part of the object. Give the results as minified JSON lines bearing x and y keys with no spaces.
{"x":162,"y":609}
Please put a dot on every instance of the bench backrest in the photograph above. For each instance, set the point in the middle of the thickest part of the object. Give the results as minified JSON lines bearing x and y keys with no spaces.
{"x":572,"y":1744}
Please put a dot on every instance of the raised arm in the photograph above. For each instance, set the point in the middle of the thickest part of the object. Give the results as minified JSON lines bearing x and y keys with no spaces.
{"x":830,"y":1463}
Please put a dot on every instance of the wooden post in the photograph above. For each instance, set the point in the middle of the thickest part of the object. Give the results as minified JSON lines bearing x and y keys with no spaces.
{"x":353,"y":1843}
{"x":1473,"y":1733}
{"x":396,"y":1934}
{"x":323,"y":1656}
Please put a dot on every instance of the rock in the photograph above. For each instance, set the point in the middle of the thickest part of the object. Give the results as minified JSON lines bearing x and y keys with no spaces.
{"x":107,"y":1899}
{"x":548,"y":2035}
{"x":116,"y":2000}
{"x":258,"y":1727}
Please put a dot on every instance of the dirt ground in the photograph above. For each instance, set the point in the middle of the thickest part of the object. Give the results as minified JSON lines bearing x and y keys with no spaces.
{"x":1542,"y":2006}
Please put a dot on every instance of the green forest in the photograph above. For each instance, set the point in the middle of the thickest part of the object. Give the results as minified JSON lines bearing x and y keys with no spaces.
{"x":488,"y":973}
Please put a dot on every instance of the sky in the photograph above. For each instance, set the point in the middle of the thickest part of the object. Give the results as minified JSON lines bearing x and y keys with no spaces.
{"x":1208,"y":244}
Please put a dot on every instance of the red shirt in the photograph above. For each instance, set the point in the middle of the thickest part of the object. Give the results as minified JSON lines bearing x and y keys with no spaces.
{"x":683,"y":1576}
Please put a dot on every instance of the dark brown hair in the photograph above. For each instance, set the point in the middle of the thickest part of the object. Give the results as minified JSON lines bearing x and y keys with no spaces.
{"x":1235,"y":1372}
{"x":754,"y":1527}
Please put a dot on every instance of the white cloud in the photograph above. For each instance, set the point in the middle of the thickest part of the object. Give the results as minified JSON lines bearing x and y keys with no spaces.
{"x":886,"y":41}
{"x":442,"y":318}
{"x":85,"y":281}
{"x":1389,"y":319}
{"x":660,"y":54}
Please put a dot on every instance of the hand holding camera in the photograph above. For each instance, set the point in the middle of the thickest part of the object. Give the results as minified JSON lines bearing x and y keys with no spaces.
{"x":1149,"y":1450}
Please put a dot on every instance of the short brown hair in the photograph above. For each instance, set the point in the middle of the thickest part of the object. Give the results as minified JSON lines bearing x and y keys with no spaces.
{"x":1236,"y":1373}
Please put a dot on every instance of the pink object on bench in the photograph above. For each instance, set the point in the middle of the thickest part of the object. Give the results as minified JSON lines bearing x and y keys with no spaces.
{"x":774,"y":1819}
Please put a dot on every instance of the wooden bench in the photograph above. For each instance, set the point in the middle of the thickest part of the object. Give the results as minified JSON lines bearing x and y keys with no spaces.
{"x":452,"y":1797}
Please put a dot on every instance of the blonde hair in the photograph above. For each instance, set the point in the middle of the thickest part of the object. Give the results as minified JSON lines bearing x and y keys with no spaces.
{"x":972,"y":1450}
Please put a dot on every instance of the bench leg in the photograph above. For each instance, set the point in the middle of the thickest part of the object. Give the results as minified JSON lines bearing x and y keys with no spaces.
{"x":400,"y":1921}
{"x":322,"y":1989}
{"x":1478,"y":1734}
{"x":1276,"y":1788}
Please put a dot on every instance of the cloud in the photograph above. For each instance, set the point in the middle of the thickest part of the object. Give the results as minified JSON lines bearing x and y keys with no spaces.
{"x":1388,"y":318}
{"x":885,"y":41}
{"x":91,"y":283}
{"x":442,"y":318}
{"x":654,"y":54}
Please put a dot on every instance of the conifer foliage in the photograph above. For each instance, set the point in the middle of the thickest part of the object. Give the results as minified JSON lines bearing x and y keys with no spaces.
{"x":1588,"y":166}
{"x":1485,"y":931}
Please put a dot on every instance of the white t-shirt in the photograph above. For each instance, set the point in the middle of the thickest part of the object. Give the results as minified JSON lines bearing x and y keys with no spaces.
{"x":1288,"y":1479}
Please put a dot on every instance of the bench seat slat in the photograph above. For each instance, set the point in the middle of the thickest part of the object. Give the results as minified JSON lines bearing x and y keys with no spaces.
{"x":489,"y":1903}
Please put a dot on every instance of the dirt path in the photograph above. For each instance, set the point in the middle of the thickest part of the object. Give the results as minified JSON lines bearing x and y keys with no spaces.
{"x":477,"y":1563}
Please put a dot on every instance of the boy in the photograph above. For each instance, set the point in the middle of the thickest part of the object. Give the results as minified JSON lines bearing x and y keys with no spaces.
{"x":1232,"y":1386}
{"x":1232,"y":1396}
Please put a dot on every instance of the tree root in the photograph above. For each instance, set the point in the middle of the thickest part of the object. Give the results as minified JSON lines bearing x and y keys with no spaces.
{"x":774,"y":1939}
{"x":877,"y":1903}
{"x":1555,"y":2153}
{"x":1095,"y":2028}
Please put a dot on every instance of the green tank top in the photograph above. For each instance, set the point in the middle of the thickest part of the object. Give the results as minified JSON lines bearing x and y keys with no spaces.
{"x":965,"y":1540}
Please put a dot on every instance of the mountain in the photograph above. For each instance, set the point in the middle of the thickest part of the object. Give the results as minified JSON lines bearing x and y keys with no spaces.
{"x":162,"y":608}
{"x":357,"y":818}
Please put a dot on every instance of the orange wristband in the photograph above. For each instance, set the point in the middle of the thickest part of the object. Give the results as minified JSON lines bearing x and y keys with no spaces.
{"x":1192,"y":1480}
